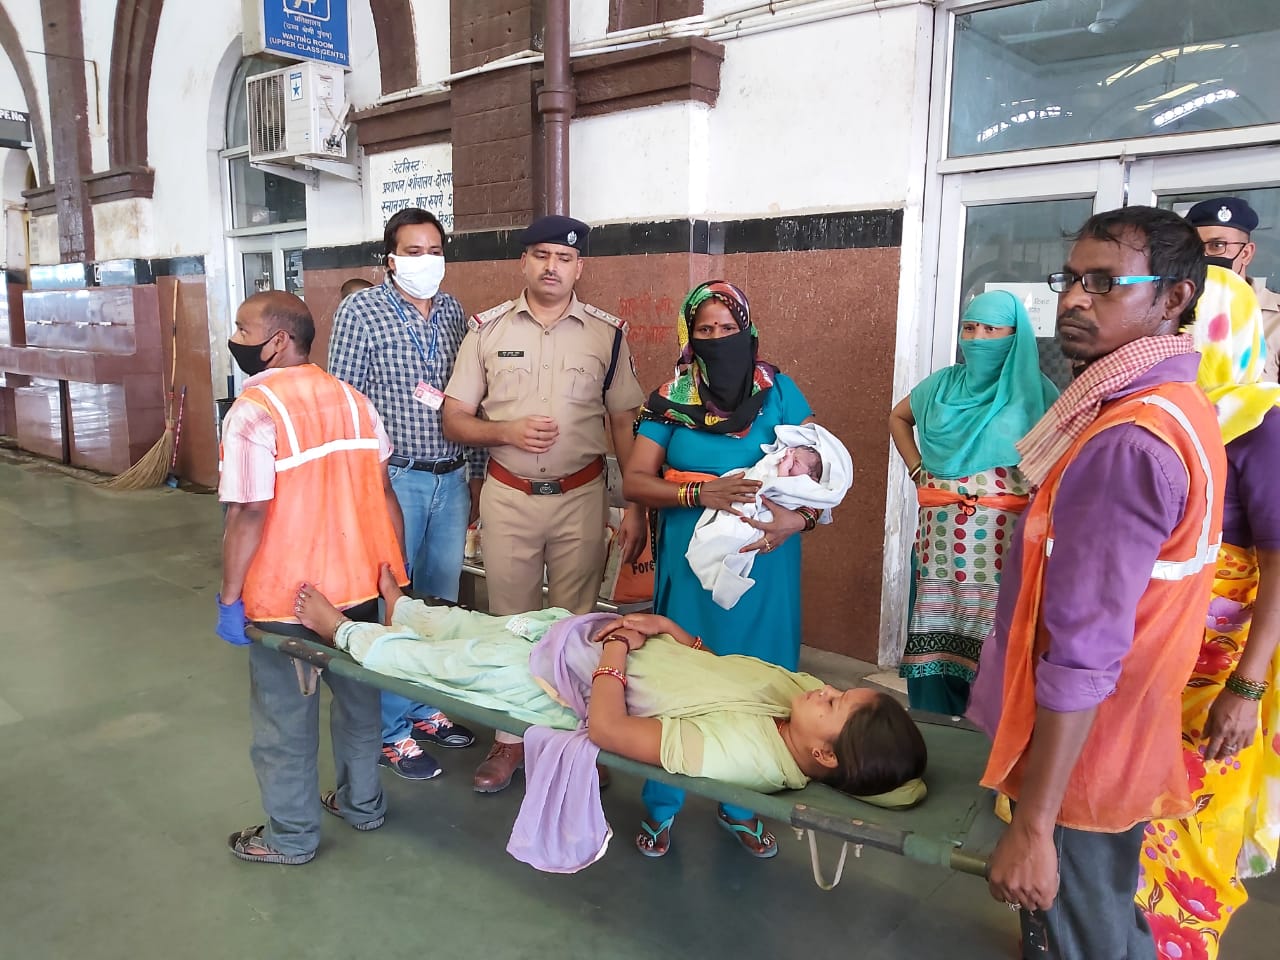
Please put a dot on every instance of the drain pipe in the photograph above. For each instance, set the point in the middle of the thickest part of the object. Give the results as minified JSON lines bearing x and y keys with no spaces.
{"x":556,"y":103}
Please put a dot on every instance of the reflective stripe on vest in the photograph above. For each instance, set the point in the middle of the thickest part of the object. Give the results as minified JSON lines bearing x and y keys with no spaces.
{"x":1206,"y":552}
{"x":297,"y":456}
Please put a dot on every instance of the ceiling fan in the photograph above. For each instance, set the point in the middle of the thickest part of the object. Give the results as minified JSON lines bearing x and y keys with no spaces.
{"x":1108,"y":17}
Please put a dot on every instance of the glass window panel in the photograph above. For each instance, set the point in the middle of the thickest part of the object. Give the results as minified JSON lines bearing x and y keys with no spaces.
{"x":1057,"y":72}
{"x":293,"y":276}
{"x":260,"y":199}
{"x":1266,"y":204}
{"x":1022,"y":243}
{"x":258,"y":273}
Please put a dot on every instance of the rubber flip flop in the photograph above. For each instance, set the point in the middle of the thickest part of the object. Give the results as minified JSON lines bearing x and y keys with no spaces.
{"x":647,"y":839}
{"x":741,"y":831}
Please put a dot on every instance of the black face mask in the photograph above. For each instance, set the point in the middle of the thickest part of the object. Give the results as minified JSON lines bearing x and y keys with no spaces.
{"x":729,"y":363}
{"x":248,"y":356}
{"x":1227,"y":262}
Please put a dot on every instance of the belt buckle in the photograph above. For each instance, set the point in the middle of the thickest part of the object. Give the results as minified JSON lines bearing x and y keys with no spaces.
{"x":544,"y":488}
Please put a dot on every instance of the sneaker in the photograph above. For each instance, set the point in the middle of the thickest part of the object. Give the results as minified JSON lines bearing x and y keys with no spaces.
{"x":443,"y":732}
{"x":409,"y":760}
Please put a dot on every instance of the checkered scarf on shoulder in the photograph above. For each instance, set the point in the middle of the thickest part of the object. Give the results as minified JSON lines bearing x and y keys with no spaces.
{"x":1078,"y":406}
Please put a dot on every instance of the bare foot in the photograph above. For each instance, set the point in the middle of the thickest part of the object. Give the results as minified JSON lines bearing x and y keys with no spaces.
{"x":390,"y":590}
{"x":315,"y":611}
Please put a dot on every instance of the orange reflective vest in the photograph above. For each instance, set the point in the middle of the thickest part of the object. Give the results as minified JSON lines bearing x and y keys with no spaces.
{"x":328,"y":523}
{"x":1131,"y":767}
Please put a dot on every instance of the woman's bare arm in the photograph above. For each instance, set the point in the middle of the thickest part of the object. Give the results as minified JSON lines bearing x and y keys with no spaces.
{"x":609,"y":726}
{"x":902,"y":430}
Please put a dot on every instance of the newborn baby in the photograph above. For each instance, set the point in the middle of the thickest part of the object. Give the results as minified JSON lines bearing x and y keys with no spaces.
{"x":806,"y":466}
{"x":801,"y":461}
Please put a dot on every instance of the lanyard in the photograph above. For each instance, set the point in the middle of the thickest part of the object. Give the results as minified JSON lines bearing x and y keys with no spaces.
{"x":427,"y":356}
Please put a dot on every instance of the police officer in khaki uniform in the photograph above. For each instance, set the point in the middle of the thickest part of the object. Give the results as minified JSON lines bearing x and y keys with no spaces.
{"x":1226,"y":225}
{"x":537,"y":380}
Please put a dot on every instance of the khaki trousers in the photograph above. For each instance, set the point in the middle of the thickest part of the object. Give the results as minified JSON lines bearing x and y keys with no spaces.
{"x":523,"y":535}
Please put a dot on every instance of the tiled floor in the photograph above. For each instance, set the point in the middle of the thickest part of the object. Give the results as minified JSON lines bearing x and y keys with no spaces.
{"x":123,"y":767}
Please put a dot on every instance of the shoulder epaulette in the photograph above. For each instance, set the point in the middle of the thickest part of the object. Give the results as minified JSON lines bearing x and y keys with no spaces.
{"x":478,"y":320}
{"x":608,"y":318}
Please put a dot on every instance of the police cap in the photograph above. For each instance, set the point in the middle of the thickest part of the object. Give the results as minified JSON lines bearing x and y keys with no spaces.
{"x":1223,"y":212}
{"x":565,"y":231}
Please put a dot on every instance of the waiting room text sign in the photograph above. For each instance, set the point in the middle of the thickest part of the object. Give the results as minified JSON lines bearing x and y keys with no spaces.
{"x":299,"y":29}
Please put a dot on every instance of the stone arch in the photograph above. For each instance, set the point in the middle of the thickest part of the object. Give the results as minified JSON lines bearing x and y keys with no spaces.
{"x":132,"y":47}
{"x":11,"y":44}
{"x":397,"y":44}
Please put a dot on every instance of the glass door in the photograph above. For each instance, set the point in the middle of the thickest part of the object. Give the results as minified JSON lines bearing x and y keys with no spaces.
{"x":271,"y":261}
{"x":1007,"y":230}
{"x":1176,"y":183}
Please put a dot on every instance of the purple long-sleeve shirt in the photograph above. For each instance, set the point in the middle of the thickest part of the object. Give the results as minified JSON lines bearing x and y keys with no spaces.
{"x":1251,"y":497}
{"x":1117,"y":504}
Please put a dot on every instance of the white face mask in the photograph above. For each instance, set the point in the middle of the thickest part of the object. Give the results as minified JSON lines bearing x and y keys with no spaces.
{"x":419,"y":277}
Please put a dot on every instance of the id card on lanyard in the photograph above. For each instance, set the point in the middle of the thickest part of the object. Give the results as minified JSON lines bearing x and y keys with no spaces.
{"x":427,"y":355}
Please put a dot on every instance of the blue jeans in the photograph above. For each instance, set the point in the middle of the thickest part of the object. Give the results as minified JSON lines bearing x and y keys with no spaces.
{"x":436,"y":508}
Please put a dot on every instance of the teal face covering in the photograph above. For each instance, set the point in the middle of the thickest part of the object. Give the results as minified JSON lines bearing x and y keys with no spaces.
{"x":970,"y":415}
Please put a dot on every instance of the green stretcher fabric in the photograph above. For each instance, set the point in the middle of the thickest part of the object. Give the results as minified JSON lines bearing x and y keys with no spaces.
{"x":933,"y":832}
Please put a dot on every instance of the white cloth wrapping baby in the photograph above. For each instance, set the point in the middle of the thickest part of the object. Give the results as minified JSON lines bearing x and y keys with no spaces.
{"x":719,"y":535}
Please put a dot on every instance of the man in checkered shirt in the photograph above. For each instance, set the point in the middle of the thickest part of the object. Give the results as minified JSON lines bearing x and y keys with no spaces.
{"x":396,"y":343}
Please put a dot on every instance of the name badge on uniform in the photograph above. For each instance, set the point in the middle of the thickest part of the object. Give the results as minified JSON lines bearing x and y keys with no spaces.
{"x":426,"y":393}
{"x":510,"y":353}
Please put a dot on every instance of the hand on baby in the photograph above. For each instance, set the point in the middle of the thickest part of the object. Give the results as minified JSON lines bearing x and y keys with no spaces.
{"x":727,"y":492}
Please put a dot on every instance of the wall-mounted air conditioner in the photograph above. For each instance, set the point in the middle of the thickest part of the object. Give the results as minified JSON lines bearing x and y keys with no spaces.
{"x":297,"y":112}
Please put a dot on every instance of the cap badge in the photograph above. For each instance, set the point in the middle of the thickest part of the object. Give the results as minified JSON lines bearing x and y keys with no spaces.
{"x":1224,"y":214}
{"x":572,"y":235}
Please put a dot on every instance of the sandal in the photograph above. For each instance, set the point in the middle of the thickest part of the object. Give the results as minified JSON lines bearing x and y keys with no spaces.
{"x":768,"y":843}
{"x":648,"y":840}
{"x":249,"y":845}
{"x":329,"y":800}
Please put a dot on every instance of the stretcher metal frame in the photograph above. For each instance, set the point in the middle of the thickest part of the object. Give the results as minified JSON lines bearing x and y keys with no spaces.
{"x":815,"y":809}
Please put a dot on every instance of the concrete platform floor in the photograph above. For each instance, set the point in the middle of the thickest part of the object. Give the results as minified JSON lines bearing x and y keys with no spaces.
{"x":123,"y":767}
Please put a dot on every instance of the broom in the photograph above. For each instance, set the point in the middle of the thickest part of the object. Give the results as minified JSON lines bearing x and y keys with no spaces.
{"x":153,"y":468}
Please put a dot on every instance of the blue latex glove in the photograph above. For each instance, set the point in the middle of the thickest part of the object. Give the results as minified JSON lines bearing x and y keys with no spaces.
{"x":231,"y":621}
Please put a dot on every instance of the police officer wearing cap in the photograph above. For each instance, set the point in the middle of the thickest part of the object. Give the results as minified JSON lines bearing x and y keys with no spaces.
{"x":536,"y":381}
{"x":1225,"y":225}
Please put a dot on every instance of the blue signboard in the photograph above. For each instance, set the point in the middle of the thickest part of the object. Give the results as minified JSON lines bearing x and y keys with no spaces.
{"x":307,"y":29}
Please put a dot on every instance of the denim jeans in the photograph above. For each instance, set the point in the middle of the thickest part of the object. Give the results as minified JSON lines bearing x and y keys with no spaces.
{"x":286,"y":741}
{"x":436,"y":508}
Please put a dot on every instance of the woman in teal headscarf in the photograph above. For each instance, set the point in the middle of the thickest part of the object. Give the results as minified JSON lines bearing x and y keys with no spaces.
{"x":956,"y":433}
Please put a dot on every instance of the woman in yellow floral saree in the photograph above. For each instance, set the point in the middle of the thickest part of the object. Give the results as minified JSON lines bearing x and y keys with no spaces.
{"x":1193,"y":869}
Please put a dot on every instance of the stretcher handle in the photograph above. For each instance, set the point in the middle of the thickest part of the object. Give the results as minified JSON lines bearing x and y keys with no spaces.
{"x":294,"y":647}
{"x":905,"y":843}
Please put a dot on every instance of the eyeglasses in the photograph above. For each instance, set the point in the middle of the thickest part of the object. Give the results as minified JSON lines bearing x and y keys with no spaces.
{"x":1216,"y":248}
{"x":1095,"y":283}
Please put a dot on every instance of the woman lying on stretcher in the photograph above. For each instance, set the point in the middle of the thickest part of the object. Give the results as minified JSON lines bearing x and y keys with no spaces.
{"x":647,"y":689}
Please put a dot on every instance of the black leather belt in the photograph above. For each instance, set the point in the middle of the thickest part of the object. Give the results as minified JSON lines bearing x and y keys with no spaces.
{"x":430,"y":466}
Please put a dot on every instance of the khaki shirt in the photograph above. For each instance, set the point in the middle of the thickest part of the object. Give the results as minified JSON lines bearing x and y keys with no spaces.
{"x":1269,"y":302}
{"x":510,"y":367}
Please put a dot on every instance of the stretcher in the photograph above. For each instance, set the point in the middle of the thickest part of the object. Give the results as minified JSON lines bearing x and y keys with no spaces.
{"x":935,"y":832}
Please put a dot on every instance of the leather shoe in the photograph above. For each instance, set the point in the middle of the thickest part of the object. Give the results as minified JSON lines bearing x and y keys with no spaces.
{"x":497,"y":769}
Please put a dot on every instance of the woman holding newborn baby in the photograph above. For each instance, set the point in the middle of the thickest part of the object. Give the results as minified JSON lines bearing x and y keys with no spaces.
{"x":712,"y":419}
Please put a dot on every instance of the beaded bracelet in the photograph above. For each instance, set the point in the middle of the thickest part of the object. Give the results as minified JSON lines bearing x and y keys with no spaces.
{"x":1246,"y":688}
{"x":610,"y":672}
{"x":697,"y":644}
